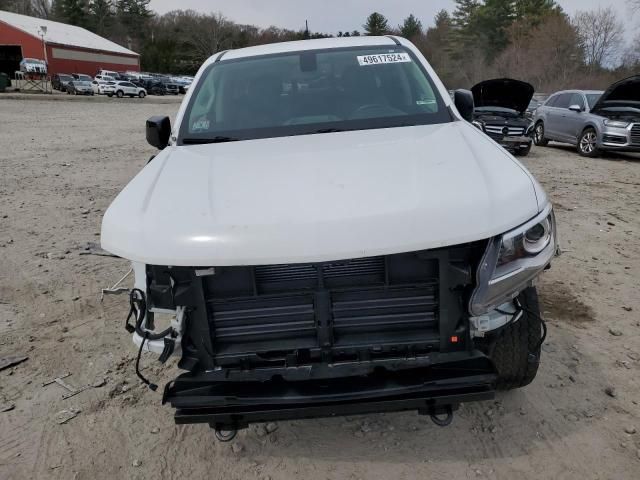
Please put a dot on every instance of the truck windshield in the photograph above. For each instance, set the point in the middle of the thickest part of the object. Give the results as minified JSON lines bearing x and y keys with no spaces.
{"x":311,"y":92}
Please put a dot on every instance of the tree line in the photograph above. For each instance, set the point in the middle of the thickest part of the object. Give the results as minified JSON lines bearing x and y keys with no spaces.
{"x":533,"y":40}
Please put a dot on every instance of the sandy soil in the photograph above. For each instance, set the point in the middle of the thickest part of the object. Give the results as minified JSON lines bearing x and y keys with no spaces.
{"x":62,"y":162}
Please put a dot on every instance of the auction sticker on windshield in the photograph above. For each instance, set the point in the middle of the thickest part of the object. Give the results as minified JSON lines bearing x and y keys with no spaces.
{"x":383,"y":58}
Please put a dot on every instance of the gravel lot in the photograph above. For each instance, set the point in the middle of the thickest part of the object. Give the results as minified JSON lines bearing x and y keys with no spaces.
{"x":61,"y":164}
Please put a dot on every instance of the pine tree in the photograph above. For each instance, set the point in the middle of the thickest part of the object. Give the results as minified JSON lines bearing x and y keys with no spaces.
{"x":73,"y":12}
{"x":411,"y":27}
{"x":102,"y":15}
{"x":377,"y":24}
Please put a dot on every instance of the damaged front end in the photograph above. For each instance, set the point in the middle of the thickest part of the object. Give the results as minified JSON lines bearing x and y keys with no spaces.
{"x":272,"y":342}
{"x":387,"y":333}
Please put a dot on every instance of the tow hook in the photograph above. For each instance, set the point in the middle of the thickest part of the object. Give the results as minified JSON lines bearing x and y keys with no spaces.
{"x":443,"y":422}
{"x":224,"y":435}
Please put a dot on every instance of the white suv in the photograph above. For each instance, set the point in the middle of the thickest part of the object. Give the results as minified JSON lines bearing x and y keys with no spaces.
{"x":127,"y":89}
{"x":328,"y":234}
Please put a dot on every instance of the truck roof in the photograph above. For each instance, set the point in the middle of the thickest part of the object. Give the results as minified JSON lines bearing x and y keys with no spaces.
{"x":315,"y":44}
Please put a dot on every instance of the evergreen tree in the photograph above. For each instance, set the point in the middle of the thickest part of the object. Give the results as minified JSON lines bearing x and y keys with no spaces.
{"x":377,"y":24}
{"x":102,"y":14}
{"x":73,"y":12}
{"x":411,"y":27}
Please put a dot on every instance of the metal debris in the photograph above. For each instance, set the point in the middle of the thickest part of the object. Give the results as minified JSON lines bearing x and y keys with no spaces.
{"x":6,"y":362}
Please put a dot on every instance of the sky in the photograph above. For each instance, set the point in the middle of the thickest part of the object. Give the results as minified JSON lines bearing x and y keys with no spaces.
{"x":332,"y":16}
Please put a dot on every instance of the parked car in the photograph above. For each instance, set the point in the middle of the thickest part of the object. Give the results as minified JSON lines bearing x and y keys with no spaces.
{"x":107,"y":73}
{"x":593,"y":121}
{"x":500,"y":107}
{"x":352,"y":246}
{"x":171,"y":88}
{"x":60,"y":81}
{"x":152,"y":86}
{"x":105,"y":78}
{"x":79,"y":87}
{"x":33,"y":65}
{"x":106,"y":88}
{"x":82,"y":76}
{"x":127,"y":89}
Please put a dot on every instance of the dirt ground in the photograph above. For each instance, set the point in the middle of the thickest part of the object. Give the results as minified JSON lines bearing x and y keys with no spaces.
{"x":61,"y":164}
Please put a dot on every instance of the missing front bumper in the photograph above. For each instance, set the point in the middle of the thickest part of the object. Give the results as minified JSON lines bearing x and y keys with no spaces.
{"x":230,"y":405}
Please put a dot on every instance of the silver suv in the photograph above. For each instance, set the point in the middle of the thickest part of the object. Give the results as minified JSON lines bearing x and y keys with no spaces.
{"x":593,"y":121}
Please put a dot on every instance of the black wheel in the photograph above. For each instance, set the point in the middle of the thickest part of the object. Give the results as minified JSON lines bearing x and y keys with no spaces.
{"x":141,"y":94}
{"x":109,"y":95}
{"x":588,"y":143}
{"x":515,"y":350}
{"x":120,"y":94}
{"x":538,"y":135}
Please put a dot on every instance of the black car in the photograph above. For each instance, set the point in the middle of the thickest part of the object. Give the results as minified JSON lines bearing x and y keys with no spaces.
{"x":79,"y":87}
{"x":500,"y":112}
{"x":82,"y":77}
{"x":153,"y":86}
{"x":60,"y":81}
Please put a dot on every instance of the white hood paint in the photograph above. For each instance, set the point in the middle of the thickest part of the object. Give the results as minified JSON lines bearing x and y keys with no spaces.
{"x":319,"y":197}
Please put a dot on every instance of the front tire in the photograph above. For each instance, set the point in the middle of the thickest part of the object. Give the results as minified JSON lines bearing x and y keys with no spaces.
{"x":538,"y":135}
{"x":515,"y":350}
{"x":141,"y":95}
{"x":588,"y":143}
{"x":120,"y":94}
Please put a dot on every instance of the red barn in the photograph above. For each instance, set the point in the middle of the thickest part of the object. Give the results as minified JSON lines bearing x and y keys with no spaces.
{"x":69,"y":49}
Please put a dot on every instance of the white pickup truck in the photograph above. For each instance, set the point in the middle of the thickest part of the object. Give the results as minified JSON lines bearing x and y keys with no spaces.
{"x":328,"y":234}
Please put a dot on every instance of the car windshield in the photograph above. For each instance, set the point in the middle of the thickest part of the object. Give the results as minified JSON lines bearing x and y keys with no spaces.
{"x":592,"y":99}
{"x":82,"y":83}
{"x":311,"y":92}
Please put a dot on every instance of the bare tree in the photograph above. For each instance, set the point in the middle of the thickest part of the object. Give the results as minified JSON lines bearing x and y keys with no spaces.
{"x":601,"y":35}
{"x":634,"y":5}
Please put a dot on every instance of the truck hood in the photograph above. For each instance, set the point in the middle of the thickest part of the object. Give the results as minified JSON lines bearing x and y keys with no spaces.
{"x":625,"y":93}
{"x":503,"y":92}
{"x":320,"y":198}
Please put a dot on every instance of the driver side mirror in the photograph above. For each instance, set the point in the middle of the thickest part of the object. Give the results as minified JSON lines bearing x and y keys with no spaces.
{"x":575,"y":108}
{"x":463,"y":100}
{"x":158,"y":131}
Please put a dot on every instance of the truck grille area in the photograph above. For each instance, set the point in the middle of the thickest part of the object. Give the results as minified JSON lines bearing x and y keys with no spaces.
{"x":395,"y":306}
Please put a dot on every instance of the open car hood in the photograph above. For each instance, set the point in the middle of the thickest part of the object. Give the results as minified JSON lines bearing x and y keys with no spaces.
{"x":503,"y":92}
{"x":625,"y":93}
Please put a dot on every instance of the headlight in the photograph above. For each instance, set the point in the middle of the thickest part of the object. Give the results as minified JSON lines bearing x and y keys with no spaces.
{"x":512,"y":261}
{"x":616,"y":123}
{"x":530,"y":127}
{"x":478,"y":125}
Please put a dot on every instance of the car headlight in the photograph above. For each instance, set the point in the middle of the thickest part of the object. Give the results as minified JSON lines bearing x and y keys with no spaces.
{"x":616,"y":123}
{"x":478,"y":125}
{"x":530,"y":127}
{"x":512,"y":261}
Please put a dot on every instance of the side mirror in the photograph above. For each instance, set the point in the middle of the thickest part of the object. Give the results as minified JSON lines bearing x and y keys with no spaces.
{"x":575,"y":108}
{"x":158,"y":131}
{"x":463,"y":100}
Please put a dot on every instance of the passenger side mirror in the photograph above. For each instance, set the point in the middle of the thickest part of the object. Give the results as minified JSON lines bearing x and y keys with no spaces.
{"x":575,"y":108}
{"x":158,"y":131}
{"x":463,"y":100}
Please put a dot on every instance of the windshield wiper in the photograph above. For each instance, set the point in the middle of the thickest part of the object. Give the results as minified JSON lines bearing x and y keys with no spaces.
{"x":202,"y":141}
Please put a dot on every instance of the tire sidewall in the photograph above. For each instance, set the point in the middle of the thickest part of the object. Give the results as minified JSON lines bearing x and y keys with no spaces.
{"x":595,"y":152}
{"x":538,"y":136}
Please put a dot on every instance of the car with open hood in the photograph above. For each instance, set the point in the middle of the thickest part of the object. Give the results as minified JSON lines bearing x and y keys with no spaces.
{"x":592,"y":120}
{"x":323,"y":232}
{"x":501,"y":112}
